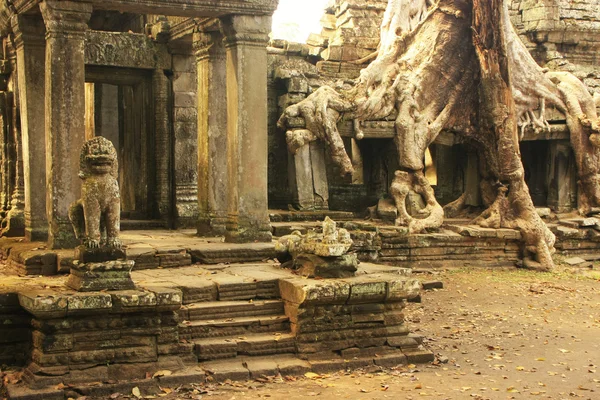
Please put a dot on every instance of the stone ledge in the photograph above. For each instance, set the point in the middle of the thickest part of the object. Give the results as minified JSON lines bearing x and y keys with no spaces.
{"x":49,"y":304}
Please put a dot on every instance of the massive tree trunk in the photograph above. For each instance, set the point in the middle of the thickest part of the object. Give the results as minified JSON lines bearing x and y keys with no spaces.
{"x":457,"y":65}
{"x":498,"y":120}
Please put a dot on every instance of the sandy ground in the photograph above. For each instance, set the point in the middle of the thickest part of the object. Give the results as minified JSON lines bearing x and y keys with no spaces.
{"x":498,"y":334}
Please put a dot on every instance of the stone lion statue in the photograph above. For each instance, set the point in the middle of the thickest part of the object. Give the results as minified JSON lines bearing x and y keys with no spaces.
{"x":96,"y":216}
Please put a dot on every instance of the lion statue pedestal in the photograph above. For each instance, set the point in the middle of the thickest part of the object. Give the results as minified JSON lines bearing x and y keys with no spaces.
{"x":100,"y":262}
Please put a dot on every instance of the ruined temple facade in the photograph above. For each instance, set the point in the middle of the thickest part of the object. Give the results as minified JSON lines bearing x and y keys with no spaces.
{"x":560,"y":35}
{"x":191,"y":105}
{"x":176,"y":95}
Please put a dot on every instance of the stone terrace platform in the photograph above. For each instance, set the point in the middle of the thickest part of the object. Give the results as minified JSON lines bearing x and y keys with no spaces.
{"x":456,"y":244}
{"x":217,"y":322}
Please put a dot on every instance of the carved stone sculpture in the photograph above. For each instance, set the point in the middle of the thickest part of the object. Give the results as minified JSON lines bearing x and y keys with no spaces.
{"x":458,"y":65}
{"x":323,"y":255}
{"x":96,"y":216}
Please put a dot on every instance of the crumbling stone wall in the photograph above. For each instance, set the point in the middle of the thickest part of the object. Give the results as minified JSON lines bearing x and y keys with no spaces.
{"x":562,"y":34}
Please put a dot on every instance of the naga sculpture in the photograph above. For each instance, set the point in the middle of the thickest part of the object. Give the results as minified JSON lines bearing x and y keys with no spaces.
{"x":96,"y":216}
{"x":459,"y":65}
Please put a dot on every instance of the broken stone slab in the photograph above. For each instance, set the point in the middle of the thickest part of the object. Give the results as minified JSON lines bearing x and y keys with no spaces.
{"x":589,"y":222}
{"x":575,"y":260}
{"x":314,"y":266}
{"x":543,"y":212}
{"x":109,"y":275}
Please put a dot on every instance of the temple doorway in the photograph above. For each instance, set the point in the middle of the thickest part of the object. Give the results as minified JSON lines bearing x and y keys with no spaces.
{"x":119,"y":107}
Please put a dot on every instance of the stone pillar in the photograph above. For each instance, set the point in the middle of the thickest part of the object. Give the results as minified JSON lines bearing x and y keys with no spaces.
{"x":185,"y":134}
{"x":247,"y":140}
{"x":562,"y":177}
{"x":31,"y":49}
{"x":308,"y":177}
{"x":161,"y":87}
{"x":66,"y":23}
{"x":472,"y":180}
{"x":14,"y":222}
{"x":212,"y":133}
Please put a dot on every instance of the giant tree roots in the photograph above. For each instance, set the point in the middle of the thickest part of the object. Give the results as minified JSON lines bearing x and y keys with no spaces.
{"x":433,"y":214}
{"x":459,"y":65}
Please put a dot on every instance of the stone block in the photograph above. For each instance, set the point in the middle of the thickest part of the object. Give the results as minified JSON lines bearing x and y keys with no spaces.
{"x":314,"y":266}
{"x":402,"y":288}
{"x":22,"y":392}
{"x":391,"y":360}
{"x":94,"y":374}
{"x":183,"y":81}
{"x":367,"y":291}
{"x":291,"y":365}
{"x":109,"y":275}
{"x":220,"y":371}
{"x":44,"y":304}
{"x":133,"y":300}
{"x":386,"y":210}
{"x":302,"y":291}
{"x":52,"y":343}
{"x":87,"y":303}
{"x":185,"y":99}
{"x":167,"y":298}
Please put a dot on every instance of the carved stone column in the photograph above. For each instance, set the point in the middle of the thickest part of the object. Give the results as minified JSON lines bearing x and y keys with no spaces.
{"x":212,"y":133}
{"x":161,"y":87}
{"x":66,"y":23}
{"x":31,"y":49}
{"x":247,"y":148}
{"x":14,"y":223}
{"x":562,"y":177}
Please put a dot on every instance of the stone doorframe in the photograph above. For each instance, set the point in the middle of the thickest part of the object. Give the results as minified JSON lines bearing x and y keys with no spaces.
{"x":147,"y":173}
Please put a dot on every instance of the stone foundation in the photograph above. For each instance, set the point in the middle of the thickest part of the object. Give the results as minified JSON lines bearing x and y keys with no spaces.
{"x":211,"y":322}
{"x":101,"y":336}
{"x":355,"y":318}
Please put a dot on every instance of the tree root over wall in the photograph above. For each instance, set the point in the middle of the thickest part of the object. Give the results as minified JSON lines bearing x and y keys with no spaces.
{"x":458,"y":65}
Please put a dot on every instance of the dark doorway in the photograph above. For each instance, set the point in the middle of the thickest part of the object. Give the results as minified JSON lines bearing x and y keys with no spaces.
{"x":119,"y":107}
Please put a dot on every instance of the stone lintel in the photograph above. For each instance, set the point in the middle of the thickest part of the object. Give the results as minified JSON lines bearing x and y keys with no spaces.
{"x":124,"y":49}
{"x":190,"y":8}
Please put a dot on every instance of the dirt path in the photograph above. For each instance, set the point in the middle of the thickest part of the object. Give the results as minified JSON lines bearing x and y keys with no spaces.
{"x":505,"y":334}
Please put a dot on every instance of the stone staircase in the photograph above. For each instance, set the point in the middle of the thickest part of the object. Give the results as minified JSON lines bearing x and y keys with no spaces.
{"x":228,"y":329}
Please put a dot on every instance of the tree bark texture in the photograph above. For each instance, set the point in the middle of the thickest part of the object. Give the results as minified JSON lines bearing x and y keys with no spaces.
{"x":459,"y":65}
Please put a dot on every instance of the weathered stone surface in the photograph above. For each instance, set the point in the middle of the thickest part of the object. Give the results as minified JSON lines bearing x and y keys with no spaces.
{"x":98,"y":255}
{"x":313,"y":266}
{"x":66,"y":23}
{"x":301,"y":291}
{"x":44,"y":304}
{"x":96,"y":216}
{"x":108,"y":275}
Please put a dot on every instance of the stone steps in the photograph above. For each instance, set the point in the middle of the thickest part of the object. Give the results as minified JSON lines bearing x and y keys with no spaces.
{"x":223,"y":310}
{"x":228,"y":329}
{"x":262,"y":344}
{"x":240,"y":326}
